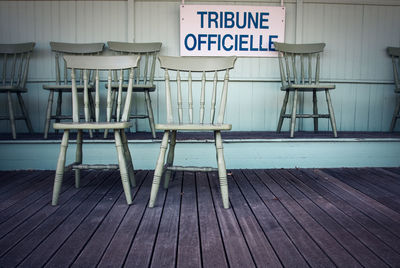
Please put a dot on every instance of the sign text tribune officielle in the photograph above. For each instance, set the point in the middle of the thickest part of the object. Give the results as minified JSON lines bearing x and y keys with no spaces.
{"x":208,"y":30}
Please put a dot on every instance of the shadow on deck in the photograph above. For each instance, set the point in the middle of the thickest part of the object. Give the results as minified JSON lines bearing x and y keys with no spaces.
{"x":293,"y":217}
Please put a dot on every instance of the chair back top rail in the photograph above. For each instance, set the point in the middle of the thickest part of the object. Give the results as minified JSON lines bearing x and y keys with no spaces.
{"x":108,"y":65}
{"x":202,"y":65}
{"x":61,"y":48}
{"x":15,"y":64}
{"x":146,"y":67}
{"x":299,"y":63}
{"x":77,"y":48}
{"x":394,"y":52}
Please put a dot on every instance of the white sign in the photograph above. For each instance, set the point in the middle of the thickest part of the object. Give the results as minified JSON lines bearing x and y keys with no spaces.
{"x":208,"y":30}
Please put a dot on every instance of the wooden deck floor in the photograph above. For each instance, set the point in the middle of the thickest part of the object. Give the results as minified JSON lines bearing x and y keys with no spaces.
{"x":291,"y":218}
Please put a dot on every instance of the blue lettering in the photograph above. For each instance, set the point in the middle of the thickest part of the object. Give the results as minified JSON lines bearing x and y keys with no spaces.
{"x":219,"y":42}
{"x":211,"y":41}
{"x":236,"y":42}
{"x":200,"y":36}
{"x":261,"y":43}
{"x":263,"y":18}
{"x":223,"y":42}
{"x":271,"y":46}
{"x":228,"y":19}
{"x":221,"y":21}
{"x":212,"y":17}
{"x":243,"y":42}
{"x":251,"y":44}
{"x":238,"y":20}
{"x":253,"y":20}
{"x":194,"y":42}
{"x":201,"y":13}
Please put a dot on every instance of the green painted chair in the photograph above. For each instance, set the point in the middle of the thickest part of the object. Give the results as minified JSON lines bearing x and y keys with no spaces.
{"x":394,"y":52}
{"x":63,"y":79}
{"x":14,"y":66}
{"x":103,"y":66}
{"x":144,"y":75}
{"x":185,"y":69}
{"x":299,"y":66}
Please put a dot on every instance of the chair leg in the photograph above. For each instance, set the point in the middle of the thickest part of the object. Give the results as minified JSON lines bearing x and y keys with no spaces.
{"x":11,"y":115}
{"x":123,"y":166}
{"x":150,"y":113}
{"x":293,"y":118}
{"x":315,"y":110}
{"x":170,"y":158}
{"x":48,"y":114}
{"x":60,"y":168}
{"x":128,"y":158}
{"x":331,"y":113}
{"x":78,"y":158}
{"x":25,"y":113}
{"x":223,"y":181}
{"x":283,"y":111}
{"x":159,"y":169}
{"x":58,"y":108}
{"x":395,"y":114}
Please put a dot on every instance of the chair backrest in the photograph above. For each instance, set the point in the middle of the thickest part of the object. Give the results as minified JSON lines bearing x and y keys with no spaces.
{"x":108,"y":65}
{"x":14,"y":63}
{"x":394,"y":52}
{"x":148,"y":52}
{"x":60,"y":49}
{"x":186,"y":69}
{"x":299,"y":63}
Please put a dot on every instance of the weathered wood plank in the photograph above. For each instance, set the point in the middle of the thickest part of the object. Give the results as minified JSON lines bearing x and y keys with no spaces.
{"x":333,"y":249}
{"x":165,"y":249}
{"x":287,"y":252}
{"x":97,"y":244}
{"x":365,"y":204}
{"x":300,"y":238}
{"x":237,"y":251}
{"x":260,"y":248}
{"x":141,"y":250}
{"x":389,"y":200}
{"x":384,"y":243}
{"x":362,"y":244}
{"x":72,"y":234}
{"x":189,"y":238}
{"x":212,"y":248}
{"x":19,"y":251}
{"x":120,"y":244}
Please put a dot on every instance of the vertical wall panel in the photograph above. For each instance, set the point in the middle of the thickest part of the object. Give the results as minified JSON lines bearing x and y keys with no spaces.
{"x":356,"y":36}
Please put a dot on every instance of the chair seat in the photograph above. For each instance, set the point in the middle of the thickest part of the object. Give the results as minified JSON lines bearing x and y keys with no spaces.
{"x":194,"y":127}
{"x":92,"y":125}
{"x":4,"y":89}
{"x":308,"y":87}
{"x":135,"y":88}
{"x":66,"y":88}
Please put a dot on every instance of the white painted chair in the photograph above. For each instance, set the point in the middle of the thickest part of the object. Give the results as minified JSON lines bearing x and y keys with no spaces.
{"x":14,"y":66}
{"x":144,"y":75}
{"x":394,"y":52}
{"x":63,"y":79}
{"x":184,"y":67}
{"x":299,"y":66}
{"x":108,"y":65}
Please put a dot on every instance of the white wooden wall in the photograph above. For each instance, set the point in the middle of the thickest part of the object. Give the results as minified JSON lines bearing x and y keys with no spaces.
{"x":357,"y":33}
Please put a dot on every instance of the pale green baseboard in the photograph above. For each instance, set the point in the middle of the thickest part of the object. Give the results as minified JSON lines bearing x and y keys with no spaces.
{"x":273,"y":153}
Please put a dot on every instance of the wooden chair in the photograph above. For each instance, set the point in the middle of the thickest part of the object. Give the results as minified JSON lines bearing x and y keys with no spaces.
{"x":394,"y":52}
{"x":144,"y":77}
{"x":63,"y":79}
{"x":14,"y":66}
{"x":184,"y":67}
{"x":107,"y":65}
{"x":300,"y":68}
